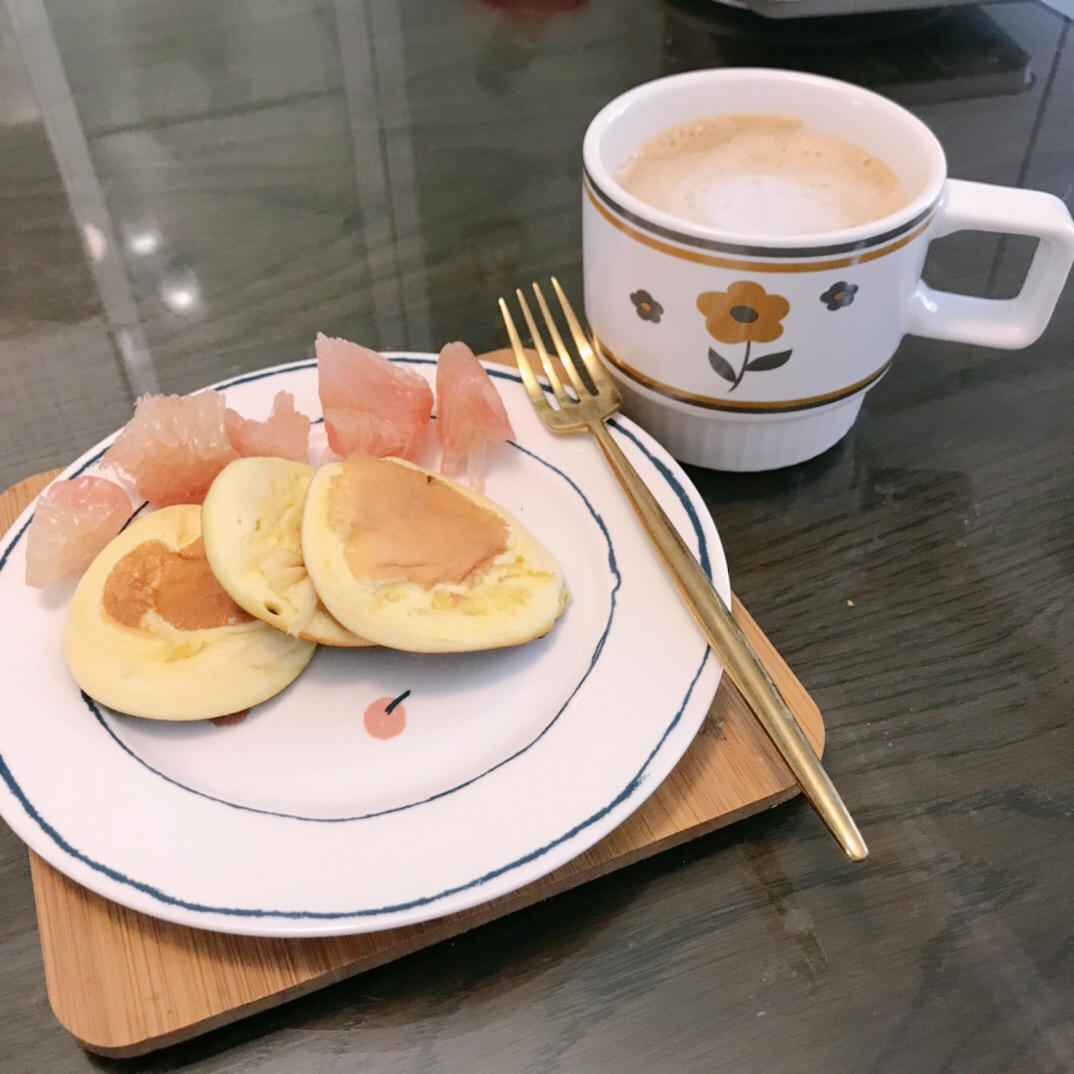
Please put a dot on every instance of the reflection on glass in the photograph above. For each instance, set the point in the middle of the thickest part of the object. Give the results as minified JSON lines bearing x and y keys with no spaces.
{"x":143,"y":241}
{"x":96,"y":242}
{"x":181,"y":292}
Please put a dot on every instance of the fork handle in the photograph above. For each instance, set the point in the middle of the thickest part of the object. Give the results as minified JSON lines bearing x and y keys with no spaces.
{"x":739,"y":658}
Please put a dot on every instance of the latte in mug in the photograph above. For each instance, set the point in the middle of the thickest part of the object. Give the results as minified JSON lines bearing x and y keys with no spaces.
{"x":763,"y":174}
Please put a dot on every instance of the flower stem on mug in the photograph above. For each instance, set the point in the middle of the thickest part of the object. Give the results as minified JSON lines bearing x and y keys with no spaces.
{"x":766,"y":361}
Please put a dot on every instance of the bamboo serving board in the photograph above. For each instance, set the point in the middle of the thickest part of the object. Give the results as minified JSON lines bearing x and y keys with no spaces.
{"x":124,"y":984}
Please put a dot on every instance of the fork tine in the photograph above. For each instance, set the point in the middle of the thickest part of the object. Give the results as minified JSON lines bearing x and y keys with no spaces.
{"x":557,"y":341}
{"x":533,"y":389}
{"x":538,"y":341}
{"x":594,"y":366}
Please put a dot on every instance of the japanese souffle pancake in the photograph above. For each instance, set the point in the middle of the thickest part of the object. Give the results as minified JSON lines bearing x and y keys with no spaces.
{"x":412,"y":560}
{"x":152,"y":633}
{"x":252,"y":524}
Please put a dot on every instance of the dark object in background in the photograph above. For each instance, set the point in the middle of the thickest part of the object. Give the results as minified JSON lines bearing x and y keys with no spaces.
{"x":914,"y":57}
{"x":803,"y":9}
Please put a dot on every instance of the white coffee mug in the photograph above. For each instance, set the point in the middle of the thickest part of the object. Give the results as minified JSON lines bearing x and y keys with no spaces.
{"x":751,"y":352}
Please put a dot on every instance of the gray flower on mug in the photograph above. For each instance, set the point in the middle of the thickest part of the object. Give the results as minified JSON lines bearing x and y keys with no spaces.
{"x":840,"y":294}
{"x":646,"y":307}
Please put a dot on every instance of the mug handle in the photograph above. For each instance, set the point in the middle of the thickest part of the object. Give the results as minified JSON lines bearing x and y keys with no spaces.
{"x":1007,"y":323}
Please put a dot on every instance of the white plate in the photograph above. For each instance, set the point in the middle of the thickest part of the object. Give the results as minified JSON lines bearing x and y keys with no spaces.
{"x":297,"y":822}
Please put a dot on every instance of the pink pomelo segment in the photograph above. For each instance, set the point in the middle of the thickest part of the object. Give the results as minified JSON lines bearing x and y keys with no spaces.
{"x":173,"y":447}
{"x":285,"y":434}
{"x":371,"y":405}
{"x":355,"y":431}
{"x":73,"y":521}
{"x":470,"y":415}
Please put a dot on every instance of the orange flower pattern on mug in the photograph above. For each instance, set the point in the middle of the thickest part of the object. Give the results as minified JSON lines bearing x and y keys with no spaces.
{"x":744,"y":313}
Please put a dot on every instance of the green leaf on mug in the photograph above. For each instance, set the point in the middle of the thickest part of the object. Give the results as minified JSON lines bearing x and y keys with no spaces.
{"x":722,"y":366}
{"x":768,"y":361}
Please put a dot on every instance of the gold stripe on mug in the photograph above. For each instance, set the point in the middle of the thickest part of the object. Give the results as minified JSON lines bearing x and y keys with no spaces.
{"x":710,"y":402}
{"x":746,"y":265}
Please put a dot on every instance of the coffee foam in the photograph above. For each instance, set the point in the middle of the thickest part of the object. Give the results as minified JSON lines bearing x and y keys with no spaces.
{"x":761,"y":174}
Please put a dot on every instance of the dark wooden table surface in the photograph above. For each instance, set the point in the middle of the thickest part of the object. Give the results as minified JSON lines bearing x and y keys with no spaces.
{"x":190,"y":190}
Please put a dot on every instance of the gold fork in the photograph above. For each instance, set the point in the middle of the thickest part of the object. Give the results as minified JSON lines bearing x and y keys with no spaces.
{"x":588,"y":411}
